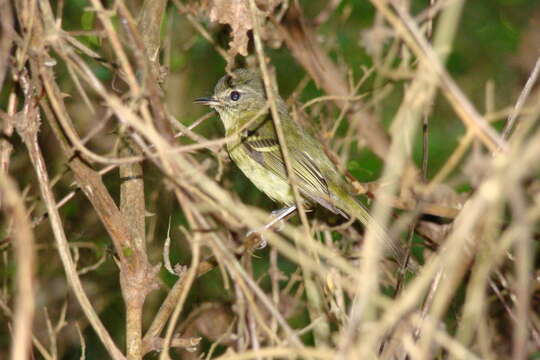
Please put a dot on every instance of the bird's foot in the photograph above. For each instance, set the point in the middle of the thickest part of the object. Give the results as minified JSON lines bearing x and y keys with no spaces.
{"x":257,"y":238}
{"x":278,"y":221}
{"x":278,"y":216}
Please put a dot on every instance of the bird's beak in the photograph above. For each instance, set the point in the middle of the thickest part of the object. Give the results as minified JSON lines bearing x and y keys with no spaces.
{"x":208,"y":101}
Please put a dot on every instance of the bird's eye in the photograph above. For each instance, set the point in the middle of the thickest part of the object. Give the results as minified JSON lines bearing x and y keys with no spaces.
{"x":235,"y":95}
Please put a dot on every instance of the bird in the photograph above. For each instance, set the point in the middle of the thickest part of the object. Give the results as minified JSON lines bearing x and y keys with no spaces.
{"x":252,"y":143}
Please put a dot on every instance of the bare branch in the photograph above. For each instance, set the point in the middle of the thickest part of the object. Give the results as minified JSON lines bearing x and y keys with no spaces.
{"x":25,"y":252}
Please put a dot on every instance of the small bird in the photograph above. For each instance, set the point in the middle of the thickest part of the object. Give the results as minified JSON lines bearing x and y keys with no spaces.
{"x":241,"y":102}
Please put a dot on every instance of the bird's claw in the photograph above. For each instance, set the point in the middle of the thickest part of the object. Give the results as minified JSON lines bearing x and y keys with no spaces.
{"x":261,"y":243}
{"x":279,"y":216}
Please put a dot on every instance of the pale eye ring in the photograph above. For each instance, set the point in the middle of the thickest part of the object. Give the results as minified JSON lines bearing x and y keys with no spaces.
{"x":235,"y":95}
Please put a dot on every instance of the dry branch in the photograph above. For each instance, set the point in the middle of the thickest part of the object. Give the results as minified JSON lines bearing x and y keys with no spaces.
{"x":25,"y":251}
{"x":27,"y":128}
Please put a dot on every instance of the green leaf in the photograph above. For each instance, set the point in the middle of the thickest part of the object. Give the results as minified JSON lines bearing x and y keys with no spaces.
{"x":87,"y":20}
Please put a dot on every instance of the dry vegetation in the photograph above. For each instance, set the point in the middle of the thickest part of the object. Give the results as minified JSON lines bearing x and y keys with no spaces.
{"x":93,"y":168}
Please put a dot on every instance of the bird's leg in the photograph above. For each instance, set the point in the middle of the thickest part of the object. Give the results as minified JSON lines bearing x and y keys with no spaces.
{"x":278,"y":215}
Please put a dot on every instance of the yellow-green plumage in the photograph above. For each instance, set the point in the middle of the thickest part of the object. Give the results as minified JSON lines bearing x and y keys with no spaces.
{"x":242,"y":105}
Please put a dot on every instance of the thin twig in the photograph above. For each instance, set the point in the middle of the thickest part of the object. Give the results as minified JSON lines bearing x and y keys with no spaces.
{"x":510,"y":122}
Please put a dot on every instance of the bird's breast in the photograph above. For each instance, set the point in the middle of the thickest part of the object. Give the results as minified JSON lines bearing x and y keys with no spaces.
{"x":264,"y":179}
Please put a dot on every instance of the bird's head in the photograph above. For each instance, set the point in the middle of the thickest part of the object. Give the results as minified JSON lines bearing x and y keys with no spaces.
{"x":237,"y":97}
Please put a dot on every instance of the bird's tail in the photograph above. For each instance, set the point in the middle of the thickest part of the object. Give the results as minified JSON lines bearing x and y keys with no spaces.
{"x":392,"y":246}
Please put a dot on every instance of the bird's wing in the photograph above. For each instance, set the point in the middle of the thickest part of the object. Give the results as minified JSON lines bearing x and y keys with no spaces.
{"x":261,"y":144}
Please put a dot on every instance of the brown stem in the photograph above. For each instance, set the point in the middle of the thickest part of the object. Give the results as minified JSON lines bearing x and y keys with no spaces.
{"x":132,"y":207}
{"x":27,"y":127}
{"x":167,"y":307}
{"x":25,"y":252}
{"x":6,"y":39}
{"x":146,"y":41}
